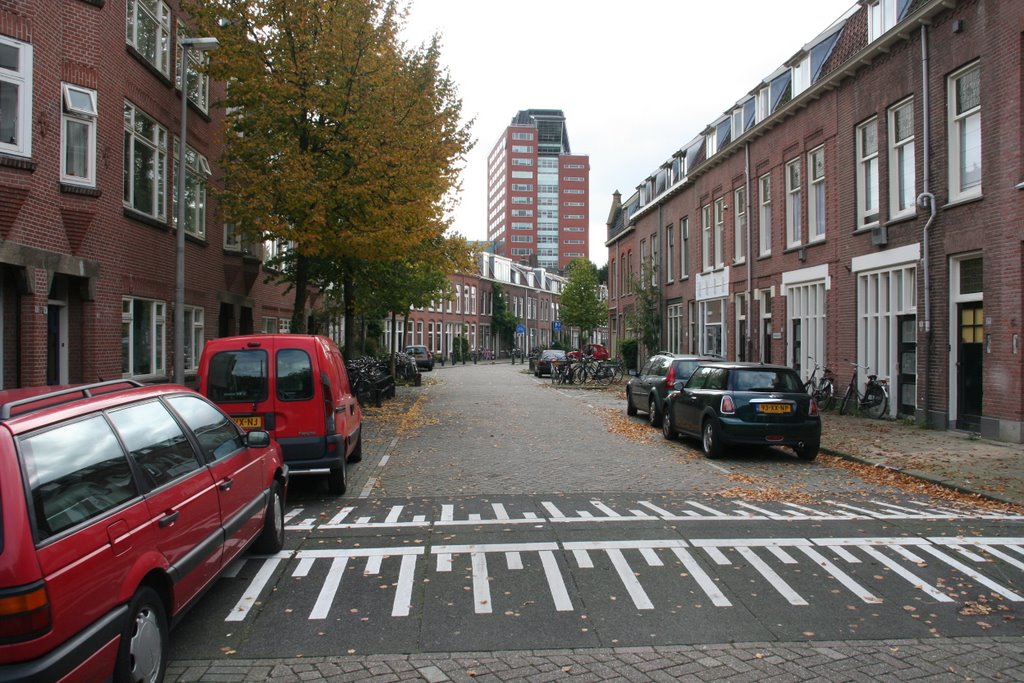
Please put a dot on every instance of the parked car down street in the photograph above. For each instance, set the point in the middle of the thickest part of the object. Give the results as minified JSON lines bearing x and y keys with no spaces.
{"x":750,"y":404}
{"x":424,"y":358}
{"x":543,"y":365}
{"x":646,"y":391}
{"x":596,"y":351}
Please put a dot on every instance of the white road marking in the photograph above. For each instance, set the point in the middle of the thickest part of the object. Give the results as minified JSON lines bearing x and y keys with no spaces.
{"x":629,"y":580}
{"x":252,"y":592}
{"x":329,"y":589}
{"x":841,"y":576}
{"x":403,"y":596}
{"x":773,"y":578}
{"x":914,"y":580}
{"x":706,"y":583}
{"x":983,"y":580}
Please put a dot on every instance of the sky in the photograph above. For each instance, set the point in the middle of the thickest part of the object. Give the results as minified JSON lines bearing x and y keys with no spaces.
{"x":636,"y":80}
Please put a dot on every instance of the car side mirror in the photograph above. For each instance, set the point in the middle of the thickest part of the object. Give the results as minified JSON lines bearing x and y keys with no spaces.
{"x":678,"y":385}
{"x":257,"y":439}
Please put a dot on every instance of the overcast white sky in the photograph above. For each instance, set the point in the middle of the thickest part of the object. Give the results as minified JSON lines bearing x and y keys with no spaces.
{"x":636,"y":80}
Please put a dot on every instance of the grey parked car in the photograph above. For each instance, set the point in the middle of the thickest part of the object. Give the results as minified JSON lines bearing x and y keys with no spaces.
{"x":646,"y":391}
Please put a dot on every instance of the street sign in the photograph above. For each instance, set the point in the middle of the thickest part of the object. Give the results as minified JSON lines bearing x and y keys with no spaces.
{"x":520,"y":329}
{"x":558,"y":325}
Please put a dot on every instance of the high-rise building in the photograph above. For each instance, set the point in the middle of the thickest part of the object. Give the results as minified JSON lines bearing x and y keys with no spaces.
{"x":538,"y":192}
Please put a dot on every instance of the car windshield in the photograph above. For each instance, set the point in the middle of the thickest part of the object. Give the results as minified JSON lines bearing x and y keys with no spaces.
{"x":765,"y":380}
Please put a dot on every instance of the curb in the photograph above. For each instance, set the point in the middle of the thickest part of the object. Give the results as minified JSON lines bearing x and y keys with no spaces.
{"x":925,"y":476}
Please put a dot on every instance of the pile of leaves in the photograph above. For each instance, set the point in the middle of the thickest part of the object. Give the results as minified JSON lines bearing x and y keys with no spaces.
{"x":618,"y":423}
{"x":765,"y":492}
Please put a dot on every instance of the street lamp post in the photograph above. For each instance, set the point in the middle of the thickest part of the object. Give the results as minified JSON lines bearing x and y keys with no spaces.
{"x":203,"y":45}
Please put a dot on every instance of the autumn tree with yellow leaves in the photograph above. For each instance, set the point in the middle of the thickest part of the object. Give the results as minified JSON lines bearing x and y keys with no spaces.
{"x":340,"y":138}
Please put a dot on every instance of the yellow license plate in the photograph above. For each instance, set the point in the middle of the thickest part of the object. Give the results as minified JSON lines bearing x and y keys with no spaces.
{"x":249,"y":421}
{"x":776,"y":408}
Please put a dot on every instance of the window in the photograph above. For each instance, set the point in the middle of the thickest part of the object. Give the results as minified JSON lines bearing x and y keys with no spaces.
{"x":68,"y":491}
{"x":198,"y":80}
{"x":793,"y":201}
{"x":902,"y":169}
{"x":684,"y":248}
{"x":193,"y":337}
{"x":149,"y":31}
{"x":197,"y":169}
{"x":522,"y":162}
{"x":741,"y":327}
{"x":145,"y":161}
{"x":675,"y":327}
{"x":15,"y":97}
{"x":268,"y":325}
{"x":816,"y":195}
{"x":867,"y":174}
{"x":143,"y":350}
{"x":522,"y":136}
{"x":294,"y":375}
{"x":882,"y":16}
{"x":655,"y":261}
{"x":522,"y":149}
{"x":705,"y":238}
{"x":217,"y":435}
{"x":720,"y":232}
{"x":764,"y":197}
{"x":284,"y":325}
{"x":522,"y":200}
{"x":156,"y":442}
{"x":739,"y":201}
{"x":670,"y":253}
{"x":964,"y":114}
{"x":78,"y":135}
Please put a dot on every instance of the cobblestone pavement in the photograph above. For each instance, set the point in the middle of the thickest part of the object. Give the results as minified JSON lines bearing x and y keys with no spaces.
{"x":938,"y":660}
{"x":992,"y":469}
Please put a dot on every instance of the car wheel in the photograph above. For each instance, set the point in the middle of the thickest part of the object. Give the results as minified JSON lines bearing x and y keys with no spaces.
{"x":630,"y":407}
{"x":807,"y":453}
{"x":536,"y":373}
{"x":357,"y":452}
{"x":653,"y":412}
{"x":142,"y":655}
{"x":337,"y":482}
{"x":271,"y":540}
{"x":710,"y":440}
{"x":667,"y":430}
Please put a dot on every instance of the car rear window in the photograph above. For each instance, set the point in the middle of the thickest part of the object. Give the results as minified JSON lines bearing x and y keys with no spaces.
{"x":75,"y":472}
{"x":294,"y":375}
{"x":685,"y":368}
{"x":238,"y":376}
{"x":765,"y":380}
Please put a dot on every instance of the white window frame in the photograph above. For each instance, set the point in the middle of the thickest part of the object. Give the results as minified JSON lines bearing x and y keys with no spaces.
{"x":284,"y":325}
{"x":670,"y":253}
{"x":684,"y":247}
{"x":21,"y":79}
{"x":197,"y":170}
{"x":720,"y":232}
{"x":705,"y":237}
{"x":198,"y":80}
{"x":269,"y":325}
{"x":156,"y":330}
{"x":881,"y":17}
{"x":794,"y":203}
{"x":161,"y":21}
{"x":902,"y":163}
{"x":764,"y":226}
{"x":817,"y":199}
{"x":156,"y":143}
{"x":77,"y":114}
{"x":868,"y":210}
{"x":194,"y":337}
{"x":739,"y":201}
{"x":965,"y":136}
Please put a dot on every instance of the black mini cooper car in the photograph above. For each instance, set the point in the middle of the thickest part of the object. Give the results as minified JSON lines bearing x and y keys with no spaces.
{"x":737,"y":404}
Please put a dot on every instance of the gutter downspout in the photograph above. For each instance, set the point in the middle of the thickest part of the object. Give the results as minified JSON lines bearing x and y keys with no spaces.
{"x":926,"y":200}
{"x":750,"y":253}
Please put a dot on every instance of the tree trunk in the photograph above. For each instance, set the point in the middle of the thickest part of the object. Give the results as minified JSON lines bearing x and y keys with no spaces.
{"x":301,"y":284}
{"x":349,"y":291}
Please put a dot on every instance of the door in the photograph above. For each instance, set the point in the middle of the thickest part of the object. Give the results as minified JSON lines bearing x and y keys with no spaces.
{"x":906,"y":380}
{"x":688,"y":407}
{"x":969,"y":365}
{"x":797,"y":348}
{"x":766,"y":341}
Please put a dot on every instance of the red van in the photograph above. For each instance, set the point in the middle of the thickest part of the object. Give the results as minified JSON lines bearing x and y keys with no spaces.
{"x":295,"y":387}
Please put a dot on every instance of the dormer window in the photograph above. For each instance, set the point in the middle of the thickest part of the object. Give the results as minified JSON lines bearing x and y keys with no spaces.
{"x":883,"y":15}
{"x":801,"y":75}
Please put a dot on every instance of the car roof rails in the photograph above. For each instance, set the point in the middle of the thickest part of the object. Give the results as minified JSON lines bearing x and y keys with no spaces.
{"x":62,"y":396}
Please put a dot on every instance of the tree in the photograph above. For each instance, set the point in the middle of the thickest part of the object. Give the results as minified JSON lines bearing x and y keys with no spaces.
{"x":645,"y":316}
{"x":340,"y":139}
{"x":581,"y":306}
{"x":502,"y":319}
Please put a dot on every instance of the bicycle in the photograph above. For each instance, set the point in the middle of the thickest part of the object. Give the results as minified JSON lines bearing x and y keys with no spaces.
{"x":874,"y":402}
{"x":561,"y":371}
{"x":821,"y":388}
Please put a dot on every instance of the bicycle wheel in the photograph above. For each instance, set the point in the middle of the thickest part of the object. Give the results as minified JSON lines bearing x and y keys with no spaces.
{"x":875,"y":402}
{"x":825,"y":394}
{"x":617,"y":376}
{"x":849,"y":398}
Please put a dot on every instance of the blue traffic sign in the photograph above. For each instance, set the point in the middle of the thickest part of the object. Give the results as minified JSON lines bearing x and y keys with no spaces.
{"x":558,"y":325}
{"x":520,"y":329}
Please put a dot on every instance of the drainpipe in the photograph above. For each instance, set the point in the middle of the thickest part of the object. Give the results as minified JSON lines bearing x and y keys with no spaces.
{"x":926,"y":200}
{"x":750,"y":253}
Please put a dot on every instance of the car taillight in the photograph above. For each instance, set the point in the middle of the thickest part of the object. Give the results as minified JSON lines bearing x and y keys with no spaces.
{"x":671,"y":379}
{"x":813,"y":410}
{"x":727,"y":407}
{"x":24,"y":614}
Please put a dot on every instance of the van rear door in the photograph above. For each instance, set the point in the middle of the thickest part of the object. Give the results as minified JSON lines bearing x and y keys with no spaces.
{"x":237,"y":377}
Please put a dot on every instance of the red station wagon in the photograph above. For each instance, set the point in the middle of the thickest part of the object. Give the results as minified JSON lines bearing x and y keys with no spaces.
{"x":119,"y":505}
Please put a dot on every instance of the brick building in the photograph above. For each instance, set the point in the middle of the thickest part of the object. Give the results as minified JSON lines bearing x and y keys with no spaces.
{"x":89,"y":121}
{"x":862,"y":202}
{"x":538,"y":192}
{"x":531,"y":294}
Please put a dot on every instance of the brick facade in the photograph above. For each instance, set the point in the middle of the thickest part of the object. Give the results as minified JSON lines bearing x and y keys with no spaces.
{"x":70,"y":254}
{"x":875,"y":307}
